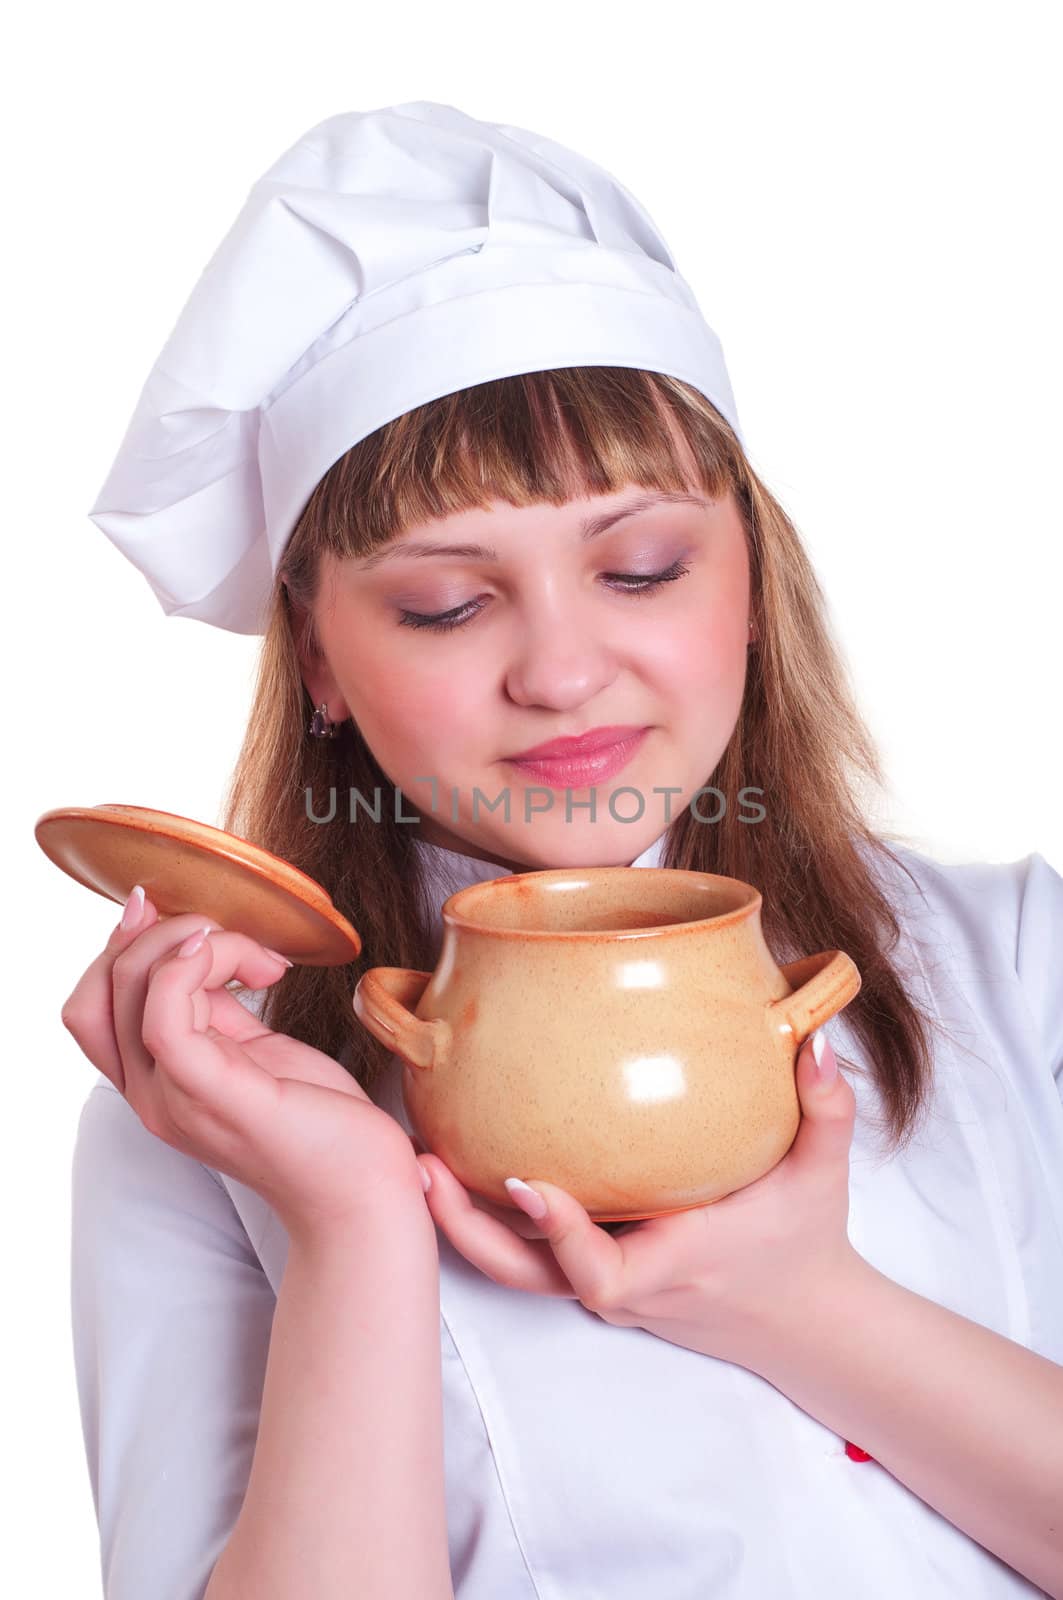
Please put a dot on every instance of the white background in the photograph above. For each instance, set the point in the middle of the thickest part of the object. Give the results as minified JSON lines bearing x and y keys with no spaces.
{"x":864,"y":199}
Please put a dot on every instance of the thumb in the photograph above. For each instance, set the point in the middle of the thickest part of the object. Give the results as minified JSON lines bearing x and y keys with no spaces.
{"x":828,"y":1105}
{"x":589,"y":1257}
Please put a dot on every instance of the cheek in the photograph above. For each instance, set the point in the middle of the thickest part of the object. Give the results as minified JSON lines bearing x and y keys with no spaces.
{"x":700,"y":662}
{"x":402,"y":708}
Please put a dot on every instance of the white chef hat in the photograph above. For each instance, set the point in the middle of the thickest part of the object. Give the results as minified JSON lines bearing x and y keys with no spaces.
{"x":388,"y":258}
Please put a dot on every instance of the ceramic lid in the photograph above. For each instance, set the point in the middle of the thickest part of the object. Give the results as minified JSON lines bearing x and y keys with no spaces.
{"x":185,"y":865}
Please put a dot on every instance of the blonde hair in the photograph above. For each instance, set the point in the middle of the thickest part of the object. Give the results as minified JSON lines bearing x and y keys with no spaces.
{"x":551,"y":436}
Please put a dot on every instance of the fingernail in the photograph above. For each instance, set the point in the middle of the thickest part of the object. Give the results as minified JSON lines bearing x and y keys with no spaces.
{"x":826,"y":1060}
{"x":134,"y":910}
{"x":426,"y":1178}
{"x":192,"y":943}
{"x":277,"y":955}
{"x":531,"y":1203}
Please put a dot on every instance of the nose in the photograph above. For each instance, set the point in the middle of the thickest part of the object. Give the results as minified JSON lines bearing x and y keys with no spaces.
{"x":560,"y":663}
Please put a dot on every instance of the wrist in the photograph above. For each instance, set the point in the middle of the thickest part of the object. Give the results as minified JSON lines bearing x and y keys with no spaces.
{"x":393,"y":1208}
{"x":796,"y":1331}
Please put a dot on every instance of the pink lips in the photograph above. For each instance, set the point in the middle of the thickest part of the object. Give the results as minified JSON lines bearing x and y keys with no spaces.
{"x":580,"y":762}
{"x":582,"y":744}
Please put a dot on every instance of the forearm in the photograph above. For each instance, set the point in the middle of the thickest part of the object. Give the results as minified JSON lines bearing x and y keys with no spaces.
{"x":346,"y":1493}
{"x":970,"y":1421}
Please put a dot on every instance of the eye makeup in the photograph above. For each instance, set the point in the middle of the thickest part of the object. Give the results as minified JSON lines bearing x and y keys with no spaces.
{"x":639,"y":585}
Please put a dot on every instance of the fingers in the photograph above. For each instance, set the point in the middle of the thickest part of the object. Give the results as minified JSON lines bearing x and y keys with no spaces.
{"x":591,"y":1260}
{"x":489,"y":1244}
{"x":516,"y":1220}
{"x":245,"y":957}
{"x":104,"y":1010}
{"x":512,"y":1219}
{"x":130,"y":975}
{"x":828,"y":1108}
{"x":158,"y":1000}
{"x":87,"y":1011}
{"x":196,"y":1071}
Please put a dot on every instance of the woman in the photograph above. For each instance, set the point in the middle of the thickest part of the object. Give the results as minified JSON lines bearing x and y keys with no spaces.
{"x":300,"y":1371}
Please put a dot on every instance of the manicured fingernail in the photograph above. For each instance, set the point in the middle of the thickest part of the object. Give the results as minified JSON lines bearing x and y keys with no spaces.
{"x":134,"y":910}
{"x":192,"y":943}
{"x":426,"y":1178}
{"x":826,"y":1060}
{"x":276,"y":955}
{"x":529,"y":1201}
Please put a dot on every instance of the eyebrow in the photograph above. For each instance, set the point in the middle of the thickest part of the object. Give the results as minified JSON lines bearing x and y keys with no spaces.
{"x":589,"y":529}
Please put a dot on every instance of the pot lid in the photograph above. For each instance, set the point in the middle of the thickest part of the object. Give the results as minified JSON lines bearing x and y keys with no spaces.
{"x":185,"y":865}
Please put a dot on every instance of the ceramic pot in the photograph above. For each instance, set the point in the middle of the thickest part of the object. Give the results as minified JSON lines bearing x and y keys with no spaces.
{"x":625,"y":1035}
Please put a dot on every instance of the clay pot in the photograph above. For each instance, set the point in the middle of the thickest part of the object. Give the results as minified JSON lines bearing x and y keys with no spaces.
{"x":625,"y":1035}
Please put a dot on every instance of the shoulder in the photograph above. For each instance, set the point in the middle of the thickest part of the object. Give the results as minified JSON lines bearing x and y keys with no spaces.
{"x":109,"y":1128}
{"x":997,"y":907}
{"x":131,"y":1188}
{"x":998,"y":923}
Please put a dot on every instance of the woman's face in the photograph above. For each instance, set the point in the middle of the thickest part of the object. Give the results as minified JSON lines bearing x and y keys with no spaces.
{"x":550,"y":638}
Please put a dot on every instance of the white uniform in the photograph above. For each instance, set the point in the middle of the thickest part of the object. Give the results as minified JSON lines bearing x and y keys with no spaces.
{"x":586,"y":1461}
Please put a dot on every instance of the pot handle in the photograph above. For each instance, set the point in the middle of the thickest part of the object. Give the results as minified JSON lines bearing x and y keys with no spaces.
{"x":822,"y":985}
{"x":384,"y":1000}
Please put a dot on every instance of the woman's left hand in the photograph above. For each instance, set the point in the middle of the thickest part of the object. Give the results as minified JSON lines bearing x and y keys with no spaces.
{"x":727,"y":1279}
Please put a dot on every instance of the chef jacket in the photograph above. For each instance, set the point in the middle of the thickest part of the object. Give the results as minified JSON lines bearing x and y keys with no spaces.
{"x":585,"y":1461}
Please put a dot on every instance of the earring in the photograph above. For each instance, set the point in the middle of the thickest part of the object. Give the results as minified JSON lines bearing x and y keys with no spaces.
{"x":320,"y":726}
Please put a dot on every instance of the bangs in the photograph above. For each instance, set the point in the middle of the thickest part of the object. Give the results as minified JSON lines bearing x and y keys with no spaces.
{"x":537,"y":436}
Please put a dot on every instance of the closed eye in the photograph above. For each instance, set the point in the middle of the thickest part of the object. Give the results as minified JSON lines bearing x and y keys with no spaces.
{"x":633,"y":583}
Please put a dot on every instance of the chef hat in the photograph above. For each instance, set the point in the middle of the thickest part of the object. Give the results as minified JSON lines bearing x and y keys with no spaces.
{"x":388,"y":258}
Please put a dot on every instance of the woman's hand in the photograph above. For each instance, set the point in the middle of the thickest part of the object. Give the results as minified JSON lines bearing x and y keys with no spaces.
{"x":204,"y":1075}
{"x":727,"y":1279}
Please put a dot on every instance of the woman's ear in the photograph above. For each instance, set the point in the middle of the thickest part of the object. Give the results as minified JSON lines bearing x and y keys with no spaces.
{"x":314,"y":669}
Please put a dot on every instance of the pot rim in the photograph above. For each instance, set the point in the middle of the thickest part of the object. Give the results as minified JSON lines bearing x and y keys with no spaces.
{"x":454,"y":916}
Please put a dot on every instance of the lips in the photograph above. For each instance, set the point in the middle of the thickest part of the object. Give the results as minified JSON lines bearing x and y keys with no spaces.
{"x":583,"y":744}
{"x":584,"y":770}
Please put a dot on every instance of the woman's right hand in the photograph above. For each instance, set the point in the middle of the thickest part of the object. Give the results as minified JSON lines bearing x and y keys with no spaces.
{"x":204,"y":1075}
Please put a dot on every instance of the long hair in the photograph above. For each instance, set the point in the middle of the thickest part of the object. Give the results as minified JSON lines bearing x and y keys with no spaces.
{"x":552,"y":436}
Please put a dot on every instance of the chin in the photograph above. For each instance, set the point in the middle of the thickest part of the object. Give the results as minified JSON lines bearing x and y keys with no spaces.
{"x":585,"y":852}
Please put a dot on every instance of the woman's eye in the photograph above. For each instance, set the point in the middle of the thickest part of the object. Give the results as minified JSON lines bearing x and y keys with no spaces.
{"x":630,"y":583}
